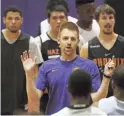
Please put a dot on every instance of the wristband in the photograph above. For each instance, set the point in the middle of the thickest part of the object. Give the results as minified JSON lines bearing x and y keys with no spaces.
{"x":106,"y":76}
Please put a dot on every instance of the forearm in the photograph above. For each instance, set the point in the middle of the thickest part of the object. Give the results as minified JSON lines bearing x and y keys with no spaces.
{"x":102,"y":91}
{"x":32,"y":92}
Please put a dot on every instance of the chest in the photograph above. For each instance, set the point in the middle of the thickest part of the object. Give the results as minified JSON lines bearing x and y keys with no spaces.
{"x":106,"y":51}
{"x":50,"y":49}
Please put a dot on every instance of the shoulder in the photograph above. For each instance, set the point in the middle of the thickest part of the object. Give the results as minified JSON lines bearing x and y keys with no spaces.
{"x":72,"y":19}
{"x":95,"y":39}
{"x":51,"y":64}
{"x":44,"y":26}
{"x":97,"y":111}
{"x":106,"y":101}
{"x":84,"y":51}
{"x":2,"y":34}
{"x":96,"y":27}
{"x":95,"y":23}
{"x":120,"y":38}
{"x":44,"y":37}
{"x":84,"y":61}
{"x":85,"y":45}
{"x":32,"y":41}
{"x":37,"y":40}
{"x":107,"y":104}
{"x":44,"y":22}
{"x":41,"y":39}
{"x":24,"y":36}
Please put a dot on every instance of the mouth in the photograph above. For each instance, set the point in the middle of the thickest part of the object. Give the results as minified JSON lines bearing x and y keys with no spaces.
{"x":13,"y":27}
{"x":68,"y":48}
{"x":58,"y":26}
{"x":108,"y":26}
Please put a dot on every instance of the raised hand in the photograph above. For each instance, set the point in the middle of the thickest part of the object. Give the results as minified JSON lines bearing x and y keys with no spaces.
{"x":109,"y":68}
{"x":28,"y":62}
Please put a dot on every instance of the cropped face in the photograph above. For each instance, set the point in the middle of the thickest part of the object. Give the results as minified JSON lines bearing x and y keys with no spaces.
{"x":56,"y":20}
{"x":86,"y":12}
{"x":68,"y":41}
{"x":106,"y":23}
{"x":13,"y":21}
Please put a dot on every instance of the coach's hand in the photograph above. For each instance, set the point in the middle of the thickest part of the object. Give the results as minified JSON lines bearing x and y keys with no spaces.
{"x":109,"y":68}
{"x":28,"y":63}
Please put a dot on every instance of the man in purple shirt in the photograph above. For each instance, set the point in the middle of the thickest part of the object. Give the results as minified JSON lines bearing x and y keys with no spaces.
{"x":54,"y":73}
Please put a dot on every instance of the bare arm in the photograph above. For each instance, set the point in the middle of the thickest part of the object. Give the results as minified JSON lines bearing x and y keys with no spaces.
{"x":103,"y":90}
{"x":31,"y":71}
{"x":84,"y":51}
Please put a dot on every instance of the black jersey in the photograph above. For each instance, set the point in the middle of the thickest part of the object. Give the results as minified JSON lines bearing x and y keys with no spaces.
{"x":13,"y":80}
{"x":100,"y":55}
{"x":49,"y":48}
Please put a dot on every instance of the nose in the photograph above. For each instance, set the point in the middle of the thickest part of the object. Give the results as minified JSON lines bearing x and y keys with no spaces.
{"x":58,"y":20}
{"x":69,"y":41}
{"x":107,"y":20}
{"x":13,"y":20}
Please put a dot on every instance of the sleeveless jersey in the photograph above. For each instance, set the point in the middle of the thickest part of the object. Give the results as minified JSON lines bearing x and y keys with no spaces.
{"x":101,"y":55}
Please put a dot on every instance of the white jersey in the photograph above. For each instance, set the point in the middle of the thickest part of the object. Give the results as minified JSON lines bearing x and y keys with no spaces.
{"x":112,"y":106}
{"x":45,"y":26}
{"x":85,"y":36}
{"x":35,"y":51}
{"x":90,"y":111}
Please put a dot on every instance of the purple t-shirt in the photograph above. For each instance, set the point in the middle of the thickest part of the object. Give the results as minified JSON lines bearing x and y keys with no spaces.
{"x":54,"y":75}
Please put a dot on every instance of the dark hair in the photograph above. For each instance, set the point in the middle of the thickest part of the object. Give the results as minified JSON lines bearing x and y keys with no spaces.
{"x":80,"y":2}
{"x":12,"y":9}
{"x":52,"y":3}
{"x":58,"y":8}
{"x":71,"y":26}
{"x":105,"y":8}
{"x":80,"y":83}
{"x":118,"y":76}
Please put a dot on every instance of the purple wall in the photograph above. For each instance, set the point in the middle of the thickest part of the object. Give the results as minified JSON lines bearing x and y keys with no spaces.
{"x":34,"y":12}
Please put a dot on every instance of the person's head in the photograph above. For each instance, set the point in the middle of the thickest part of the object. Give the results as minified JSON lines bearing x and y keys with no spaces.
{"x":52,"y":3}
{"x":118,"y":80}
{"x":85,"y":10}
{"x":12,"y":19}
{"x":80,"y":84}
{"x":105,"y":16}
{"x":56,"y":17}
{"x":68,"y":38}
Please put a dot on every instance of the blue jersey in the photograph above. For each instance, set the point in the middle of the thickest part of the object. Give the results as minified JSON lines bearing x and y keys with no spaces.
{"x":54,"y":75}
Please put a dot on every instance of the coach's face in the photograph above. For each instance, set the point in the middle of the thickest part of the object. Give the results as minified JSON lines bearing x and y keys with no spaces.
{"x":57,"y":18}
{"x":68,"y":40}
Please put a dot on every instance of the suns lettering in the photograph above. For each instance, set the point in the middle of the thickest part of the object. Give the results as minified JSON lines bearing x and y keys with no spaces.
{"x":122,"y":60}
{"x":103,"y":61}
{"x":100,"y":63}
